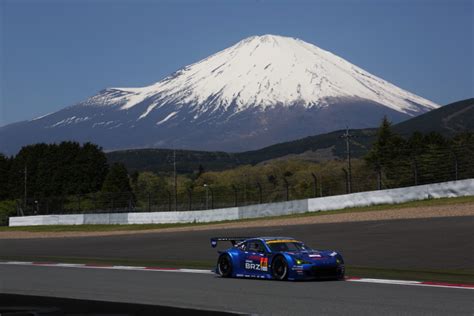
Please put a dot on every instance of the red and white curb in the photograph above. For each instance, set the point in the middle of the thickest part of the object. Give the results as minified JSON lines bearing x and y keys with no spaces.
{"x":133,"y":268}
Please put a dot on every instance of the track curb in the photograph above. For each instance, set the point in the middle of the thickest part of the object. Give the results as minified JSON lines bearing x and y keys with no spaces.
{"x":202,"y":271}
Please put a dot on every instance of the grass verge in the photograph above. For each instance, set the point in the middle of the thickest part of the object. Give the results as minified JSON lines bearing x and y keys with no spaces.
{"x":449,"y":276}
{"x":141,"y":227}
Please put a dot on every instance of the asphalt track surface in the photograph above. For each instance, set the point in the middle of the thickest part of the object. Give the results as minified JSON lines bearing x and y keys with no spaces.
{"x":431,"y":243}
{"x":209,"y":292}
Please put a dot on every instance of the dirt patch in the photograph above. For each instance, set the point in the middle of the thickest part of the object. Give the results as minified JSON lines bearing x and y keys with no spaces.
{"x":464,"y":209}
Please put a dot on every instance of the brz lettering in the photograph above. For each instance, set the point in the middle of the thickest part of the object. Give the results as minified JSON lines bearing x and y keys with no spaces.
{"x":252,"y":266}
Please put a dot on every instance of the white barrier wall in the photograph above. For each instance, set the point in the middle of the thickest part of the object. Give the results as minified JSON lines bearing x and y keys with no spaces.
{"x":392,"y":196}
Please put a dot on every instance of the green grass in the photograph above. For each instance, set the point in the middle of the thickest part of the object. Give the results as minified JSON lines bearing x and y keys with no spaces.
{"x":453,"y":276}
{"x":141,"y":227}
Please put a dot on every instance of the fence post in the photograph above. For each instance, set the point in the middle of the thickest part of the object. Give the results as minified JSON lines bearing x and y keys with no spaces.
{"x":379,"y":179}
{"x":455,"y":166}
{"x":212,"y":197}
{"x":415,"y":170}
{"x":260,"y":192}
{"x":235,"y":195}
{"x":321,"y":186}
{"x":206,"y":187}
{"x":190,"y":199}
{"x":169,"y":200}
{"x":287,"y":186}
{"x":36,"y":207}
{"x":347,"y":180}
{"x":149,"y":202}
{"x":315,"y":182}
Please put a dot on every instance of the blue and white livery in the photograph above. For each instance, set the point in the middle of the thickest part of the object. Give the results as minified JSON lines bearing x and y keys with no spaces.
{"x":279,"y":258}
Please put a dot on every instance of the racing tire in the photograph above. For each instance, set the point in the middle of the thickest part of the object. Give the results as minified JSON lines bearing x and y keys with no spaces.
{"x":224,"y":266}
{"x":341,"y":276}
{"x":280,"y":268}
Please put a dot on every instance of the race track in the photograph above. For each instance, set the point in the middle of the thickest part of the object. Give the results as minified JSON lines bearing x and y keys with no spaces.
{"x":430,"y":243}
{"x":436,"y":243}
{"x":206,"y":291}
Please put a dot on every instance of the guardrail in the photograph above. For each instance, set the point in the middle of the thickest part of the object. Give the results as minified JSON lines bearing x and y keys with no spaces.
{"x":390,"y":196}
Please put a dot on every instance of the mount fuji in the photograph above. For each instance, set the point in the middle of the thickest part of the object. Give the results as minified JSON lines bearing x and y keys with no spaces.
{"x":260,"y":91}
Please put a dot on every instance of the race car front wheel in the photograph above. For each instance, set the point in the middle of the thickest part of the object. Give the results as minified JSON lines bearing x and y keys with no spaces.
{"x":280,"y":268}
{"x":224,"y":266}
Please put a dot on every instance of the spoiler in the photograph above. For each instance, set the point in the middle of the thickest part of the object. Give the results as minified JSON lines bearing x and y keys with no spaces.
{"x":233,"y":240}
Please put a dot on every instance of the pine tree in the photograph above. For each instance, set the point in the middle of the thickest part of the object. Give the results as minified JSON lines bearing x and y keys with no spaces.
{"x":388,"y":152}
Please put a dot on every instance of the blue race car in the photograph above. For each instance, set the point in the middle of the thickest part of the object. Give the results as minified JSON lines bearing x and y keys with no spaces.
{"x":280,"y":258}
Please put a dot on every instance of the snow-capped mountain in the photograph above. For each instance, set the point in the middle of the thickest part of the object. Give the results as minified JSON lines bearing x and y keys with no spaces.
{"x":260,"y":91}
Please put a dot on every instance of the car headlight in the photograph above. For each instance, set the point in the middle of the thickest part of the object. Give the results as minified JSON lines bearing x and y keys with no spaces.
{"x":301,"y":261}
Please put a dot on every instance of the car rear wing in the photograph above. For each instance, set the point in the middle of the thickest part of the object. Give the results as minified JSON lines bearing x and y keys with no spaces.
{"x":233,"y":240}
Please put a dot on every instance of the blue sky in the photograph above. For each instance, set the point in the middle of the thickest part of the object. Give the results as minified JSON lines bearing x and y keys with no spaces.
{"x":56,"y":53}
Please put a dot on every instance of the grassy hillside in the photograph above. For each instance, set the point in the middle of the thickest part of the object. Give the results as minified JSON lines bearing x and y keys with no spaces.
{"x":447,"y":120}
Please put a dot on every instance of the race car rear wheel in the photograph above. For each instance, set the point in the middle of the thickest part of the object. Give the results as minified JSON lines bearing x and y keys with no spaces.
{"x":280,"y":268}
{"x":224,"y":266}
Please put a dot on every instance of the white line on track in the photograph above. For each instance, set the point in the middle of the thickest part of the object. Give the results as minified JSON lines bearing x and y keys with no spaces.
{"x":414,"y":283}
{"x":159,"y":269}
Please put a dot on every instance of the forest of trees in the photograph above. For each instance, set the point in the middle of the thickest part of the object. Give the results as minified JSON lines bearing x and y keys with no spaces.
{"x":55,"y":171}
{"x":69,"y":177}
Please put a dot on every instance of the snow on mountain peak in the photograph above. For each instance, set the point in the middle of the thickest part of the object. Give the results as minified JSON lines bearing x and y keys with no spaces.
{"x":265,"y":71}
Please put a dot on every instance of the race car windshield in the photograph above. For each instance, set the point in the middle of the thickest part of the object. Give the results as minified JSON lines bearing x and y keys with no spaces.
{"x":287,"y":246}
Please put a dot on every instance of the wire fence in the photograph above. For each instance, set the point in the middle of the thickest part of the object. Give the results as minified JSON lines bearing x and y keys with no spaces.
{"x":437,"y":165}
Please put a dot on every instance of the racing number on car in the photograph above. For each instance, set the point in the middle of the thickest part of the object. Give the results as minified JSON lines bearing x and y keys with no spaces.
{"x":264,"y":264}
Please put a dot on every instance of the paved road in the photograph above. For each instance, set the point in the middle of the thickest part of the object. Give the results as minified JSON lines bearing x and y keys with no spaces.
{"x":206,"y":291}
{"x":435,"y":243}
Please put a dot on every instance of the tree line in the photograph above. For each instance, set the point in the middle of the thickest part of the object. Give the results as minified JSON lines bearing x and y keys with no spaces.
{"x":420,"y":158}
{"x":45,"y":170}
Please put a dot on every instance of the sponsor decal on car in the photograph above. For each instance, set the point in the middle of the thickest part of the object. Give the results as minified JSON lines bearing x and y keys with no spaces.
{"x":315,"y":256}
{"x":250,"y":265}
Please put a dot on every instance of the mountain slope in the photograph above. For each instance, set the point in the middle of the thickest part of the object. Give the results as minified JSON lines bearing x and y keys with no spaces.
{"x":447,"y":120}
{"x":306,"y":148}
{"x":260,"y":91}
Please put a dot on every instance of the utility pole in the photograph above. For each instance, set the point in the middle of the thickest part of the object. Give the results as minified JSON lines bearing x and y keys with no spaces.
{"x":347,"y":138}
{"x":175,"y":182}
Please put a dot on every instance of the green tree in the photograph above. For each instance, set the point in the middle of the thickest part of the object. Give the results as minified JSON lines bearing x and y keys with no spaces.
{"x":117,"y":180}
